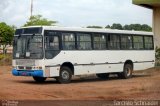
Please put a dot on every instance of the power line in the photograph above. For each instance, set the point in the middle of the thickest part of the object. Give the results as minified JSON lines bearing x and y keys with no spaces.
{"x":31,"y":8}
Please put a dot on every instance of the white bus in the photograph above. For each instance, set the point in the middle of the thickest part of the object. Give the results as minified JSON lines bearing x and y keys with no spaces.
{"x":57,"y":52}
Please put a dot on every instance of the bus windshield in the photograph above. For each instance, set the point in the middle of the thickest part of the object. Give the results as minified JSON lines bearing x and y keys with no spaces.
{"x":28,"y":47}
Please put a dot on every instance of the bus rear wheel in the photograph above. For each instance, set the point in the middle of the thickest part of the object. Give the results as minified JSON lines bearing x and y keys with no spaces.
{"x":65,"y":75}
{"x":39,"y":79}
{"x":103,"y":75}
{"x":127,"y":72}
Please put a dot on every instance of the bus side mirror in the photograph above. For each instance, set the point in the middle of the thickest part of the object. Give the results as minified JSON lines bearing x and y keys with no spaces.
{"x":28,"y":54}
{"x":17,"y":55}
{"x":33,"y":36}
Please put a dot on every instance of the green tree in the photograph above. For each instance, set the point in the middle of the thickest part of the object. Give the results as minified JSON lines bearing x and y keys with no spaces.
{"x":117,"y":26}
{"x":39,"y":20}
{"x":146,"y":27}
{"x":157,"y":56}
{"x":137,"y":27}
{"x":98,"y":27}
{"x":108,"y":26}
{"x":157,"y":53}
{"x":6,"y":35}
{"x":127,"y":27}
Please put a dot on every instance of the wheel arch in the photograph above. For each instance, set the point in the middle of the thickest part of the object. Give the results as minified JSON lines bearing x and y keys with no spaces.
{"x":129,"y":62}
{"x":69,"y":65}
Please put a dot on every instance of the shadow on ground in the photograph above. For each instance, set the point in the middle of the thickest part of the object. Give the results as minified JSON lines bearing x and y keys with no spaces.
{"x":81,"y":80}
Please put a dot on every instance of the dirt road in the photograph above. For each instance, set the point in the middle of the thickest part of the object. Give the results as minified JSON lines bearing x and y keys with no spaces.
{"x":143,"y":86}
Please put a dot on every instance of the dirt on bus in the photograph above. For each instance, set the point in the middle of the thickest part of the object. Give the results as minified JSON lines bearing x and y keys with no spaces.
{"x":143,"y":86}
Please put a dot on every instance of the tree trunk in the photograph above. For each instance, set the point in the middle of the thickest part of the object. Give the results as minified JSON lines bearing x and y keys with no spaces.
{"x":4,"y":49}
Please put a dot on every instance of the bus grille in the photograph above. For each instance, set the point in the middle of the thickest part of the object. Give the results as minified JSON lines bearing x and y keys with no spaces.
{"x":25,"y":62}
{"x":21,"y":67}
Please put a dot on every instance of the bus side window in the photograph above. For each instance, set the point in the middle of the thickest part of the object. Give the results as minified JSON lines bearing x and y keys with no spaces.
{"x":51,"y":46}
{"x":114,"y":42}
{"x":84,"y":41}
{"x":52,"y":43}
{"x":99,"y":42}
{"x":68,"y":41}
{"x":138,"y":42}
{"x":126,"y":42}
{"x":148,"y":43}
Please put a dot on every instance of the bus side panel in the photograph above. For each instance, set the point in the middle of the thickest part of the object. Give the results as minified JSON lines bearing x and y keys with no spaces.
{"x":142,"y":66}
{"x":92,"y":69}
{"x":103,"y":61}
{"x":84,"y":69}
{"x":52,"y":71}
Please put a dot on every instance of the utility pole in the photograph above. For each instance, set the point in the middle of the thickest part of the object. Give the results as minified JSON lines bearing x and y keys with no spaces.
{"x":31,"y":8}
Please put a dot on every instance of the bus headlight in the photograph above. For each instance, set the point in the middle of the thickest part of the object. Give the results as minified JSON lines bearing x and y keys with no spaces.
{"x":40,"y":67}
{"x":37,"y":67}
{"x":14,"y":67}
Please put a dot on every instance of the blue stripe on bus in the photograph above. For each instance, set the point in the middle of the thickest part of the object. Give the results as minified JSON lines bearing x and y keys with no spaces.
{"x":35,"y":73}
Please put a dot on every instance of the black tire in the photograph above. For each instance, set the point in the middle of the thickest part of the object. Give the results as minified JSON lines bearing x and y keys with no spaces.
{"x":39,"y":79}
{"x":103,"y":76}
{"x":65,"y":75}
{"x":127,"y":72}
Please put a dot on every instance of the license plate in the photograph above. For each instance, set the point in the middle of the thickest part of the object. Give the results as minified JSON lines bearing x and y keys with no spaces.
{"x":24,"y":74}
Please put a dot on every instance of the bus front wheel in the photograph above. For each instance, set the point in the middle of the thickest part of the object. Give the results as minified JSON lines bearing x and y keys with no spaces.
{"x":103,"y":75}
{"x":65,"y":75}
{"x":39,"y":79}
{"x":127,"y":72}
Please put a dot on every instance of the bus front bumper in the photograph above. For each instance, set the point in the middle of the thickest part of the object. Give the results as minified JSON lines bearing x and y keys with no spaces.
{"x":34,"y":73}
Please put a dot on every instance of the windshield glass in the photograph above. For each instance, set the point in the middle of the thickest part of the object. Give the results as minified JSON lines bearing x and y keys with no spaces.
{"x":28,"y":47}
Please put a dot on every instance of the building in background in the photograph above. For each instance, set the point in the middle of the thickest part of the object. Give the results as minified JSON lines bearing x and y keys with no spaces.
{"x":9,"y":49}
{"x":155,"y":5}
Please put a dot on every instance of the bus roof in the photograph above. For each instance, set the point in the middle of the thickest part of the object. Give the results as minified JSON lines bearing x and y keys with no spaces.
{"x":79,"y":29}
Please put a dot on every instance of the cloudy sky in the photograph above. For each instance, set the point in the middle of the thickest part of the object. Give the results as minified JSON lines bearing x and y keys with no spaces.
{"x":79,"y":13}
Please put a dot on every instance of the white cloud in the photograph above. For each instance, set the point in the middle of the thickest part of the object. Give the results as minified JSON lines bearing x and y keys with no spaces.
{"x":3,"y":4}
{"x":15,"y":12}
{"x":76,"y":12}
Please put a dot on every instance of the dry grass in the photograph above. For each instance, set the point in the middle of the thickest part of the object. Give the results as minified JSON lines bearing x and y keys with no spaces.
{"x":5,"y":60}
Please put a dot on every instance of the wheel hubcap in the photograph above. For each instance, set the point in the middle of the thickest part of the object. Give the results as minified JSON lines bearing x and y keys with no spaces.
{"x":65,"y":75}
{"x":128,"y":71}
